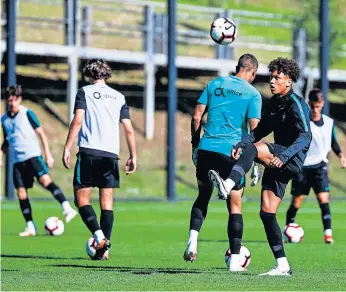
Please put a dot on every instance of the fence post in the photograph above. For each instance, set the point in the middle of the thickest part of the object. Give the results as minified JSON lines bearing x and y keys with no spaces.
{"x":229,"y":50}
{"x":299,"y":55}
{"x":164,"y":33}
{"x":86,"y":25}
{"x":69,"y":22}
{"x":219,"y":52}
{"x":157,"y":33}
{"x":149,"y":67}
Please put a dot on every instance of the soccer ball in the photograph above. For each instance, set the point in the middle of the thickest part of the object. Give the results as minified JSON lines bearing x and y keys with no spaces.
{"x":223,"y":31}
{"x":54,"y":226}
{"x":293,"y":232}
{"x":245,"y":256}
{"x":91,"y":247}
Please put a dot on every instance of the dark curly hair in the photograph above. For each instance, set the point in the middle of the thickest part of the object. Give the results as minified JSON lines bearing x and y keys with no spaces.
{"x":97,"y":69}
{"x":286,"y":66}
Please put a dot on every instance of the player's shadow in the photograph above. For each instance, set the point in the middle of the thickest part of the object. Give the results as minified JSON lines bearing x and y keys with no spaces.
{"x":226,"y":240}
{"x":134,"y":270}
{"x":22,"y":256}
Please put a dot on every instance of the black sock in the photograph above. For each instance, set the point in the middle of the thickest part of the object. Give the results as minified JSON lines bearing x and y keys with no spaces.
{"x":326,"y":216}
{"x":199,"y":210}
{"x":57,"y":193}
{"x":106,"y":222}
{"x":244,"y":163}
{"x":235,"y":232}
{"x":273,"y":232}
{"x":25,"y":206}
{"x":291,"y":214}
{"x":89,"y":218}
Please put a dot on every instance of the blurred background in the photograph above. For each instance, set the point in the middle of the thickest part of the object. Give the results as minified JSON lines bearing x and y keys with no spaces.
{"x":54,"y":38}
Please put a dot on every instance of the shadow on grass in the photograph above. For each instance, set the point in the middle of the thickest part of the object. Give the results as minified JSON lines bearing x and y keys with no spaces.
{"x":22,"y":256}
{"x":134,"y":270}
{"x":226,"y":240}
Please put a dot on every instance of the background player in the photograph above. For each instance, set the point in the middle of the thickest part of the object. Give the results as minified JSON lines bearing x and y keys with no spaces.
{"x":315,"y":171}
{"x":287,"y":116}
{"x":21,"y":128}
{"x":231,"y":103}
{"x":98,"y":111}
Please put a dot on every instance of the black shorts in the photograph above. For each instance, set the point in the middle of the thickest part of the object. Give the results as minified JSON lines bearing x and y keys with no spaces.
{"x":25,"y":171}
{"x":315,"y":178}
{"x":96,"y":171}
{"x":276,"y":180}
{"x":219,"y":162}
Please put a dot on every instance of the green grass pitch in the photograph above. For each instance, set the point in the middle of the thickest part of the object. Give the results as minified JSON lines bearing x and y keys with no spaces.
{"x":148,"y":242}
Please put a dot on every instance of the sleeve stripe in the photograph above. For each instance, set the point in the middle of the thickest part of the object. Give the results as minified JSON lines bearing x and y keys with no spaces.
{"x":334,"y":133}
{"x":301,"y":112}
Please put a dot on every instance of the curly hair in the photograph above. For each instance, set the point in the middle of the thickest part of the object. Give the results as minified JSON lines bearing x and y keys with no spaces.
{"x":286,"y":66}
{"x":97,"y":69}
{"x":15,"y":90}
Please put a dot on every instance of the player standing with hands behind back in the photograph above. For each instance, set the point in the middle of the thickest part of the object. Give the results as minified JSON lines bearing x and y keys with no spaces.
{"x":98,"y":111}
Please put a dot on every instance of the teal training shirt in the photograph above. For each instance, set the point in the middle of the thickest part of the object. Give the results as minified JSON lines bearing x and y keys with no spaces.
{"x":230,"y":102}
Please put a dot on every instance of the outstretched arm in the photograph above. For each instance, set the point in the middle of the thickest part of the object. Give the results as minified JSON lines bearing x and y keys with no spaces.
{"x":72,"y":135}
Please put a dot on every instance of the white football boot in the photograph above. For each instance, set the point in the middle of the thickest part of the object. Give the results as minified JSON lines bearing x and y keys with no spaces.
{"x":70,"y":214}
{"x":276,"y":271}
{"x":28,"y":231}
{"x":222,"y":189}
{"x":190,"y":253}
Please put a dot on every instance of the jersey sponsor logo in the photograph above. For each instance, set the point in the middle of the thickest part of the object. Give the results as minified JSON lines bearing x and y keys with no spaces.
{"x":98,"y":95}
{"x":221,"y":92}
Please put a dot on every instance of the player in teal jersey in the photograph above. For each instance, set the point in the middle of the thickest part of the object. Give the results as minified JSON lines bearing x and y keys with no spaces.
{"x":232,"y":104}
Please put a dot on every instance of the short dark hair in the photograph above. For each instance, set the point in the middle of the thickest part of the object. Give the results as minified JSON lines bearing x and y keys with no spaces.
{"x":97,"y":69}
{"x":315,"y":95}
{"x":248,"y":62}
{"x":15,"y":90}
{"x":287,"y":66}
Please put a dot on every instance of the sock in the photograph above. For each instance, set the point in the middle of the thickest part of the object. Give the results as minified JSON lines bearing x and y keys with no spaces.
{"x":99,"y":236}
{"x":291,"y":214}
{"x":197,"y":218}
{"x":31,"y":225}
{"x":235,"y":232}
{"x":106,"y":222}
{"x":89,"y":218}
{"x":326,"y":216}
{"x":200,"y":209}
{"x":66,"y":206}
{"x":193,"y":237}
{"x":244,"y":163}
{"x":328,"y":232}
{"x":57,"y":193}
{"x":283,"y":264}
{"x":25,"y":206}
{"x":273,"y":232}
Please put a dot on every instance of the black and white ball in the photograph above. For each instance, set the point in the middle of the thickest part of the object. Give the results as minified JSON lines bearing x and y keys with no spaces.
{"x":245,"y":256}
{"x":223,"y":31}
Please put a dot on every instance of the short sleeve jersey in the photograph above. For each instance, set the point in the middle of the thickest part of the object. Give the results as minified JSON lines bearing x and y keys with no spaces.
{"x":230,"y":102}
{"x":104,"y":108}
